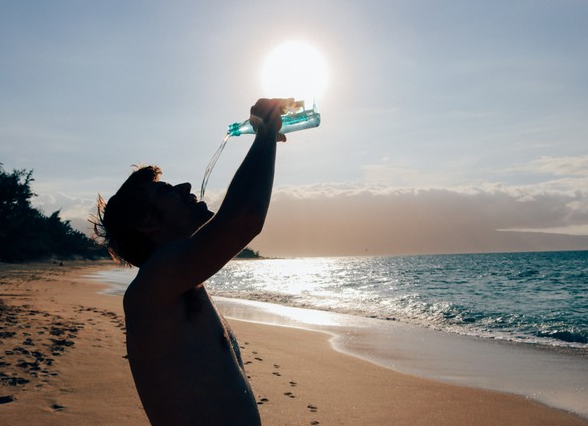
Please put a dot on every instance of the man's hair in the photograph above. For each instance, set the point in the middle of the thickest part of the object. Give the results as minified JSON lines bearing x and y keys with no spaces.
{"x":117,"y":220}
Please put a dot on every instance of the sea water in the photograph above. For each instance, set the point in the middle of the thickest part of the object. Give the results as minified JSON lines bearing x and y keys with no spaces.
{"x":539,"y":298}
{"x":511,"y":322}
{"x":527,"y":297}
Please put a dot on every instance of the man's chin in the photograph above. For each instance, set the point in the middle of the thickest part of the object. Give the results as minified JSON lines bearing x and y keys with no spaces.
{"x":210,"y":214}
{"x":204,"y":215}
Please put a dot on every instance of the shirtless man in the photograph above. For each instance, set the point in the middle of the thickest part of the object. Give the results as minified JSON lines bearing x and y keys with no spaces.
{"x":183,"y":356}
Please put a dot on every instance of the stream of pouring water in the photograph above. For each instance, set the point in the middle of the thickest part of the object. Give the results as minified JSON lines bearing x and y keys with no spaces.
{"x":211,"y":165}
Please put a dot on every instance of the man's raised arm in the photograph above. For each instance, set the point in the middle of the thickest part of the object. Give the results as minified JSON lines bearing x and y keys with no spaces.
{"x":239,"y":219}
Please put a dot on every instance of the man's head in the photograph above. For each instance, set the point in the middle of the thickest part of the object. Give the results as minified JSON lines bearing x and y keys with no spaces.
{"x":145,"y":214}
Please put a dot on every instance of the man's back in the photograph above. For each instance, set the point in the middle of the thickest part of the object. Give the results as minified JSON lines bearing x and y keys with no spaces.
{"x":185,"y":361}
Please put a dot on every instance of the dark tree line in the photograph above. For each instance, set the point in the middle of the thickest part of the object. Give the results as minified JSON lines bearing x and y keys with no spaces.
{"x":27,"y":234}
{"x":248,"y":253}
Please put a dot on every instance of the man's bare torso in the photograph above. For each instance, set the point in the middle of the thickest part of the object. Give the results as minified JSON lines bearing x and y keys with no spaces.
{"x":186,"y":362}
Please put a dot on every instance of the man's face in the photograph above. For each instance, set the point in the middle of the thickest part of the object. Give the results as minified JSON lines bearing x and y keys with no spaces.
{"x":180,"y":212}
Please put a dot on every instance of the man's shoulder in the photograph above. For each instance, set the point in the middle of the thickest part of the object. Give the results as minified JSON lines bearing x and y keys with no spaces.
{"x":140,"y":290}
{"x":168,"y":275}
{"x":131,"y":294}
{"x":149,"y":277}
{"x":151,"y":289}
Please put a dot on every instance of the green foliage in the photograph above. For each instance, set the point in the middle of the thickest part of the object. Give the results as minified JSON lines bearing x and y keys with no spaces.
{"x":27,"y":234}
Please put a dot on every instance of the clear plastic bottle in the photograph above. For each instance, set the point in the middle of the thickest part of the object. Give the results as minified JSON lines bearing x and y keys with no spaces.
{"x":297,"y":118}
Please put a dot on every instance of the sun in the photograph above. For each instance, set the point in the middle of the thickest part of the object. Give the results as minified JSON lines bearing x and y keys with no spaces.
{"x":294,"y":69}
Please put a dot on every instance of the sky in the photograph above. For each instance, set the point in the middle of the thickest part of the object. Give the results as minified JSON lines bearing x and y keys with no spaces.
{"x":447,"y":127}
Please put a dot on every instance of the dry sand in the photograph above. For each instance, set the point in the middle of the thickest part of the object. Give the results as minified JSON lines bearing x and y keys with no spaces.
{"x":63,"y":362}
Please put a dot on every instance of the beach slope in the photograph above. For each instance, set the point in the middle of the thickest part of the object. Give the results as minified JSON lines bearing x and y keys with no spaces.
{"x":63,"y":362}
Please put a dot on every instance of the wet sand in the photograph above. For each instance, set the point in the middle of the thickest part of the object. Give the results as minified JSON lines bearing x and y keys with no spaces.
{"x":63,"y":362}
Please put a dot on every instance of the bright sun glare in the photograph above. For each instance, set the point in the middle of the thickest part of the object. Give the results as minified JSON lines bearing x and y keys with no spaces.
{"x":294,"y":69}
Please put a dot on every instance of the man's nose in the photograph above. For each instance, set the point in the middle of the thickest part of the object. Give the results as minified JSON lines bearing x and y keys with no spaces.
{"x":183,"y":188}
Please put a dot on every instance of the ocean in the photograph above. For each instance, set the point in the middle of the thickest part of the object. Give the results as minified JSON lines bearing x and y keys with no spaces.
{"x":510,"y":322}
{"x":536,"y":298}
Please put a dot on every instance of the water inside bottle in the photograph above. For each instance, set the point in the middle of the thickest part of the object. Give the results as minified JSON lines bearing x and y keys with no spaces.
{"x":295,"y":118}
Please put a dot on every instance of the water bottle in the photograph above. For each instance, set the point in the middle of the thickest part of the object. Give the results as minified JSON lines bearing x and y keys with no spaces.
{"x":296,"y":118}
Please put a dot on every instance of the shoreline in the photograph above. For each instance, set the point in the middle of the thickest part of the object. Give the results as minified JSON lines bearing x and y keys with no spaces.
{"x":474,"y":362}
{"x":120,"y":277}
{"x":297,"y":376}
{"x":478,"y":362}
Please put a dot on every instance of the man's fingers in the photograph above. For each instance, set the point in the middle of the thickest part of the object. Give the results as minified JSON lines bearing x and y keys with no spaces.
{"x":268,"y":112}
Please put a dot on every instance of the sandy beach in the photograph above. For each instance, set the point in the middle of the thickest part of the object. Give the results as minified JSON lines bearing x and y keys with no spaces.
{"x":63,"y":362}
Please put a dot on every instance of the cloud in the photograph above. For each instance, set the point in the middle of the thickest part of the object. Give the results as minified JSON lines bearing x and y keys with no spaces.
{"x":555,"y":166}
{"x":75,"y":209}
{"x":339,"y":219}
{"x":355,"y":220}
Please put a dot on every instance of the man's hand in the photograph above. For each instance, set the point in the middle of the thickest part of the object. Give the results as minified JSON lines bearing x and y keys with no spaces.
{"x":266,"y":115}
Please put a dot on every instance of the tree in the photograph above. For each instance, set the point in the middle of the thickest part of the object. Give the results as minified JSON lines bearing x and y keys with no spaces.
{"x":15,"y":193}
{"x":27,"y":234}
{"x":247,"y":253}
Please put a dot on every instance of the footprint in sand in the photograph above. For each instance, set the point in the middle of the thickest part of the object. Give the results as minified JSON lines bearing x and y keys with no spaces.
{"x":13,"y":381}
{"x":293,"y":384}
{"x":6,"y":399}
{"x":312,"y":408}
{"x":262,"y":400}
{"x":289,"y":394}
